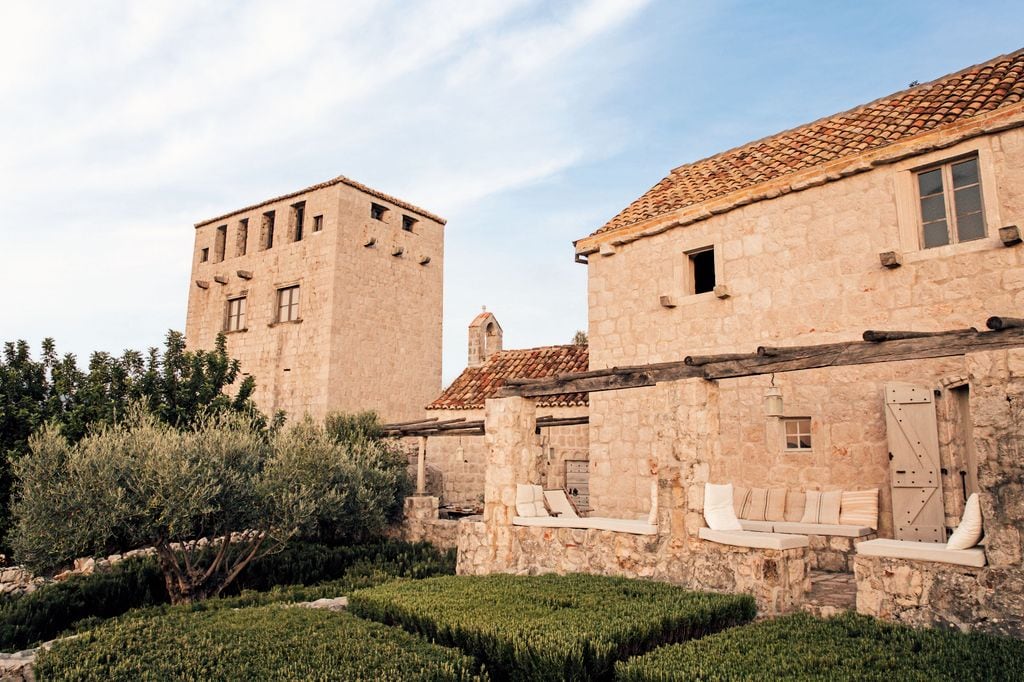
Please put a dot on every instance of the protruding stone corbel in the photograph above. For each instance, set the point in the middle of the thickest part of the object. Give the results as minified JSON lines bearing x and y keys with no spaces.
{"x":220,"y":279}
{"x":244,"y":274}
{"x":722,"y":291}
{"x":424,"y":260}
{"x":1009,"y":235}
{"x":397,"y":251}
{"x":608,"y":249}
{"x":667,"y":301}
{"x":890,"y":259}
{"x":202,"y":284}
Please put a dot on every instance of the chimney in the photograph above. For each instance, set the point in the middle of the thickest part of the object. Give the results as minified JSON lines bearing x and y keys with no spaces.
{"x":484,"y":338}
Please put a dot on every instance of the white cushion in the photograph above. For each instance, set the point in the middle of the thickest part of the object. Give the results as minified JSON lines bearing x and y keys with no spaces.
{"x":530,"y":501}
{"x":718,"y":510}
{"x":968,"y":533}
{"x":822,"y":529}
{"x":746,"y":538}
{"x":758,"y":526}
{"x":558,"y":502}
{"x":922,"y":551}
{"x":591,"y":523}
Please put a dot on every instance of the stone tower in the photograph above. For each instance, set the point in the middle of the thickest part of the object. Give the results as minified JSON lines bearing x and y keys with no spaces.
{"x":329,"y":296}
{"x":484,"y":338}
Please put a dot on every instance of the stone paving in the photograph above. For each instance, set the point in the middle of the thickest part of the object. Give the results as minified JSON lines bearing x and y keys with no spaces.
{"x":831,"y":593}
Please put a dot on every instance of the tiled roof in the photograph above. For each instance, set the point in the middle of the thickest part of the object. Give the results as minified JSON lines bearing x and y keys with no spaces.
{"x":477,"y":384}
{"x":341,"y":179}
{"x":918,"y":110}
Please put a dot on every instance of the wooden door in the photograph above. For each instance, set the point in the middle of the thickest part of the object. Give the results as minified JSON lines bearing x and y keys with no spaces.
{"x":577,"y":482}
{"x":914,"y":467}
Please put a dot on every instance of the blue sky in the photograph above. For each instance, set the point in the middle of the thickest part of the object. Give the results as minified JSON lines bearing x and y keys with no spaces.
{"x":526,"y":124}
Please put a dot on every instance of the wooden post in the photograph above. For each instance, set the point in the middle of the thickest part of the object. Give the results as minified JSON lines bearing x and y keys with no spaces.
{"x":421,"y":468}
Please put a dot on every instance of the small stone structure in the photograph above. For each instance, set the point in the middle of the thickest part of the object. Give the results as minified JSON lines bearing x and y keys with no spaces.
{"x":422,"y":523}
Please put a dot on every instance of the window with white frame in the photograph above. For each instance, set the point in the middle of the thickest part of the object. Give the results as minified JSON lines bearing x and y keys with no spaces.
{"x":288,"y":304}
{"x":236,"y":314}
{"x":798,"y":433}
{"x":950,"y":204}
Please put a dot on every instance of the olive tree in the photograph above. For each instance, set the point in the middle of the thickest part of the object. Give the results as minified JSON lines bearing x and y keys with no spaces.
{"x":210,"y":499}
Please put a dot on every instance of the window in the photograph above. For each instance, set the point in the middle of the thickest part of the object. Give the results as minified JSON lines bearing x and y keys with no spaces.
{"x":220,"y":244}
{"x":267,"y":231}
{"x":236,"y":314}
{"x":407,"y":223}
{"x":702,"y":271}
{"x":798,"y":433}
{"x":288,"y":304}
{"x":950,"y":203}
{"x":204,"y":255}
{"x":377,"y":211}
{"x":298,"y":217}
{"x":241,"y":237}
{"x":318,"y":223}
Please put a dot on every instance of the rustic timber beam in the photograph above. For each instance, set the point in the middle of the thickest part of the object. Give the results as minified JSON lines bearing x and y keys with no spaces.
{"x":1000,"y":323}
{"x":398,"y":425}
{"x":879,"y":336}
{"x":609,"y":380}
{"x":866,"y":352}
{"x":698,"y":360}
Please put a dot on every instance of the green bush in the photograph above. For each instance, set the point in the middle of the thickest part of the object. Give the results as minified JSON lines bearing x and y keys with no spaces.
{"x":45,"y":613}
{"x":550,"y":627}
{"x":137,"y":583}
{"x":266,"y":643}
{"x":847,"y":647}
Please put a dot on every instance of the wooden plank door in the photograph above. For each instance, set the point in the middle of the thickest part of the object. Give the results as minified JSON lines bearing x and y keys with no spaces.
{"x":914,"y":467}
{"x":577,"y":482}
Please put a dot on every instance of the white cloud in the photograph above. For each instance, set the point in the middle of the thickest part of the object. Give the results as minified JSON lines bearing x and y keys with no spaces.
{"x":123,"y":123}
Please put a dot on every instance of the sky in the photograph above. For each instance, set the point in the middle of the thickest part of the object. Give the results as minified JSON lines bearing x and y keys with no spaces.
{"x":526,"y":124}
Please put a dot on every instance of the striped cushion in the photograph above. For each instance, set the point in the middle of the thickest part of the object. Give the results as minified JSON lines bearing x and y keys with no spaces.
{"x":829,"y":511}
{"x":795,"y":502}
{"x":812,"y":507}
{"x":859,"y":508}
{"x":740,"y":495}
{"x":775,"y":507}
{"x":756,"y":504}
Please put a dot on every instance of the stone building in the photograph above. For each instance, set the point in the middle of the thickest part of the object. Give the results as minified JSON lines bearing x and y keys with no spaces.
{"x":462,"y":460}
{"x":330,"y":297}
{"x":900,"y":214}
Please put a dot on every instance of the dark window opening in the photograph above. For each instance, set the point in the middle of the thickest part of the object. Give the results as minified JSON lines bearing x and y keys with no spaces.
{"x":267,"y":231}
{"x":243,"y":237}
{"x":377,"y":211}
{"x":702,"y":269}
{"x":299,"y":217}
{"x":318,"y":223}
{"x":220,"y":244}
{"x":407,"y":223}
{"x":204,"y":255}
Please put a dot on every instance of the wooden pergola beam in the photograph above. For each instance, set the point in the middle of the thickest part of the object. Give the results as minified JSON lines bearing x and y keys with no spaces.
{"x":884,"y":347}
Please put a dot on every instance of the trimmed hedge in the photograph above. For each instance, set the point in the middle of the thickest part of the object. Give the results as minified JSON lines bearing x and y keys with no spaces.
{"x":550,"y":627}
{"x":137,"y":583}
{"x":266,"y":643}
{"x":846,"y":647}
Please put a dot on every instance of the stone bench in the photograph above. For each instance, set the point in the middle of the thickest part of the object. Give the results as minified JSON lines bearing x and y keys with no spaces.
{"x":831,"y":545}
{"x":922,"y":551}
{"x":753,"y":539}
{"x":588,"y":523}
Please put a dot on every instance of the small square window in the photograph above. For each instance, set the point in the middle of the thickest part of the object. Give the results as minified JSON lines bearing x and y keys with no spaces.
{"x":702,"y":271}
{"x":318,"y":223}
{"x":204,"y":255}
{"x":377,"y":211}
{"x":236,"y":314}
{"x":408,"y":223}
{"x":798,"y":433}
{"x":288,"y":304}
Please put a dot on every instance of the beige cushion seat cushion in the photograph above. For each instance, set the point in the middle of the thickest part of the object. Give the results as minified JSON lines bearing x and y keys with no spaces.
{"x":821,"y":529}
{"x":558,"y":502}
{"x":591,"y":523}
{"x":922,"y":551}
{"x":746,"y":538}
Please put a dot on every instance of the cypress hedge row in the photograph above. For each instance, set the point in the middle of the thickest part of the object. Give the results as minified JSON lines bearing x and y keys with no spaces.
{"x":263,"y":643}
{"x":550,"y":627}
{"x":846,"y":647}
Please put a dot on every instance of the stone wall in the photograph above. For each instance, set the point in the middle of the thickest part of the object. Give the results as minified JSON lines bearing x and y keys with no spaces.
{"x":355,"y":347}
{"x":990,"y":599}
{"x":462,"y":460}
{"x":421,"y":524}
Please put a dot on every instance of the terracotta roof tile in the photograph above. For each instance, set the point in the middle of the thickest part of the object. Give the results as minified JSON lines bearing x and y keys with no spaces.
{"x":477,"y":384}
{"x":918,"y":110}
